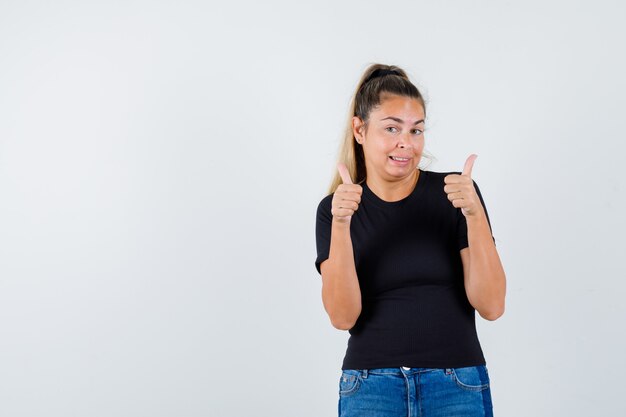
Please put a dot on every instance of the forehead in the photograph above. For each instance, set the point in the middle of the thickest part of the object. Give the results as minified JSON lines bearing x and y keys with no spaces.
{"x":406,"y":108}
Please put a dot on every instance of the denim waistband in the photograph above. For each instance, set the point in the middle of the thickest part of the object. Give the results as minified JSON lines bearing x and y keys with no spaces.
{"x":393,"y":371}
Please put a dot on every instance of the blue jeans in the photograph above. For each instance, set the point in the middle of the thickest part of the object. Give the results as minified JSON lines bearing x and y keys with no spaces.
{"x":415,"y":392}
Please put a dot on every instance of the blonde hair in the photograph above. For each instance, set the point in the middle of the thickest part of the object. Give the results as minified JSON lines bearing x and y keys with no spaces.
{"x":375,"y":81}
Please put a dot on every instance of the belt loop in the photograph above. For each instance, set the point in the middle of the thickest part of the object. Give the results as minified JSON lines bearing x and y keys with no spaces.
{"x":364,"y":373}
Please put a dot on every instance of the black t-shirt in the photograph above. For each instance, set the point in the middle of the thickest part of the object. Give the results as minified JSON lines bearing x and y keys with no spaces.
{"x":414,"y":309}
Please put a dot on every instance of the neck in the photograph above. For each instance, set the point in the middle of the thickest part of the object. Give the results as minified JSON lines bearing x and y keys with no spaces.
{"x":393,"y":190}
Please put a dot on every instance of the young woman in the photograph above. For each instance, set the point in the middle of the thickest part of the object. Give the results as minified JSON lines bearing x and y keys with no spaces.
{"x":406,"y":258}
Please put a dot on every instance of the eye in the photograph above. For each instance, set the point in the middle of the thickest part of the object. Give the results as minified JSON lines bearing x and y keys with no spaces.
{"x":417,"y":131}
{"x":391,"y":129}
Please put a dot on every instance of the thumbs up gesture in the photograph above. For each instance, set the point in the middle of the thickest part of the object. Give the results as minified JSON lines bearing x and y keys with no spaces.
{"x":461,"y":191}
{"x":346,"y":198}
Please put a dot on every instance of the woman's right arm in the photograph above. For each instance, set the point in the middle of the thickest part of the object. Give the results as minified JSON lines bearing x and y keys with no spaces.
{"x":341,"y":293}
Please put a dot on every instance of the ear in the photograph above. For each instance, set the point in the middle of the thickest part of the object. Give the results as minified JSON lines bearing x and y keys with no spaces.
{"x":358,"y":128}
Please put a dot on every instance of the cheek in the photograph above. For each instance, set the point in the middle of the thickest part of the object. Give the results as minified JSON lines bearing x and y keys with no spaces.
{"x":382,"y":147}
{"x":420,"y":145}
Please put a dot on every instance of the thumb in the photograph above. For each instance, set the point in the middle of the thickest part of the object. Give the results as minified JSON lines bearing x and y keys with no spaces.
{"x":343,"y":172}
{"x":469,"y":164}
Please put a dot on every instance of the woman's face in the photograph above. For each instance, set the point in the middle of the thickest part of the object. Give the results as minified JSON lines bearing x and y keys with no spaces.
{"x":395,"y":130}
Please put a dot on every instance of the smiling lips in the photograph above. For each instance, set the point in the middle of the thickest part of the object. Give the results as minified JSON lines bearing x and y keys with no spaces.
{"x":400,"y":161}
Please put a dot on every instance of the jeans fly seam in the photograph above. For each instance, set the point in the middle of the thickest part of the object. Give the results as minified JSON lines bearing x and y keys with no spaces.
{"x":408,"y":393}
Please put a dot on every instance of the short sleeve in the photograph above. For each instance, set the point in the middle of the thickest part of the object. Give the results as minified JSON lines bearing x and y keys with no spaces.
{"x":462,"y":222}
{"x":323,"y":225}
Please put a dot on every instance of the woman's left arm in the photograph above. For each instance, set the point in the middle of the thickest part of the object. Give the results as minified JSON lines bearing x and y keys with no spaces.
{"x":483,"y":274}
{"x":485,"y":281}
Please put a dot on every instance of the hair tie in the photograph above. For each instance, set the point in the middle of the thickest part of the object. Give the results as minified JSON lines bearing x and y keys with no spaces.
{"x":382,"y":72}
{"x":386,"y":72}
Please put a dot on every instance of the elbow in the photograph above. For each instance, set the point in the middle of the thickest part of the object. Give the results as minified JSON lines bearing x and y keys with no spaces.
{"x":343,"y":314}
{"x":493,"y":314}
{"x":344,"y":323}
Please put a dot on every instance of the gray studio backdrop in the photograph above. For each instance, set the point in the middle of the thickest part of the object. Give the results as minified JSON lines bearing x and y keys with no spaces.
{"x":161,"y":165}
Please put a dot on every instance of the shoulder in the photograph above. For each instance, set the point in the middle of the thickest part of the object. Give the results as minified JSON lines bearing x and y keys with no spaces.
{"x":325,"y":204}
{"x":435,"y":180}
{"x":439,"y":177}
{"x":326,"y":201}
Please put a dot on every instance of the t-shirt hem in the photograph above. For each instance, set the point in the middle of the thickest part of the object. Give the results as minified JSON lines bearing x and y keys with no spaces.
{"x":416,"y":364}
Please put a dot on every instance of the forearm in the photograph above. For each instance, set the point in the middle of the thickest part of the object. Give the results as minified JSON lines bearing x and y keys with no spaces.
{"x":341,"y":292}
{"x":486,"y":281}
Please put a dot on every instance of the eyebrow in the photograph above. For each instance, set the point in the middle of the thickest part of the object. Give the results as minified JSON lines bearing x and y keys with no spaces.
{"x":400,"y":120}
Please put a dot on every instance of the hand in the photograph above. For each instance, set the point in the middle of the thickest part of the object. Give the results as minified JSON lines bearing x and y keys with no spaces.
{"x":346,"y":198}
{"x":461,"y":191}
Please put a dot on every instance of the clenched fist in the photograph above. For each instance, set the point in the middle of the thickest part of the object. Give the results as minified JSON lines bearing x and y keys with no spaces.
{"x":461,"y":191}
{"x":346,"y":198}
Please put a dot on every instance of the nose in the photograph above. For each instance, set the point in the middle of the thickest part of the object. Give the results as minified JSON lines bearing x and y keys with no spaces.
{"x":404,"y":142}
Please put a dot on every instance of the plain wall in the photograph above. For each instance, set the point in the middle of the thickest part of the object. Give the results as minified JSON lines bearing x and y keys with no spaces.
{"x":161,"y":163}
